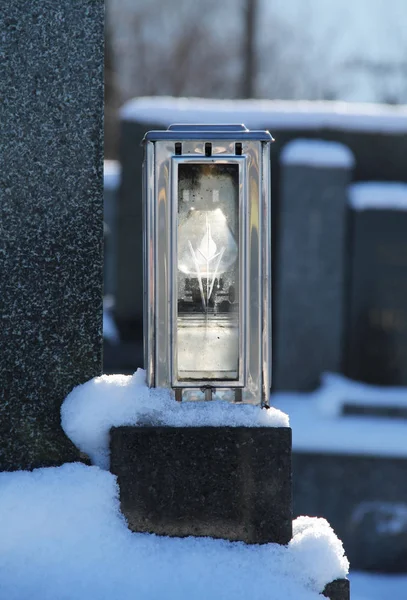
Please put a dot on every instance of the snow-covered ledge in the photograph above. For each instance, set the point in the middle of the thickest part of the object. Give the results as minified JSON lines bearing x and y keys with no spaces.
{"x":319,"y":426}
{"x":92,"y":409}
{"x":378,"y":195}
{"x":275,"y":114}
{"x":317,"y":153}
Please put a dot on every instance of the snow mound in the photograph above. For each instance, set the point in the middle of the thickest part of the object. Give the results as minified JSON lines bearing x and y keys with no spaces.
{"x":317,"y":153}
{"x":64,"y":538}
{"x":92,"y":408}
{"x":313,"y":541}
{"x":378,"y":195}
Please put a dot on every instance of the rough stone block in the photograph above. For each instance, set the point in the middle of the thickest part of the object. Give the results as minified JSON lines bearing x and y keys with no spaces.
{"x":337,"y":590}
{"x":223,"y":482}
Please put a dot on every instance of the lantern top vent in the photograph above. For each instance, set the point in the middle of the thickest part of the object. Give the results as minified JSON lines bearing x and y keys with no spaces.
{"x":228,"y":131}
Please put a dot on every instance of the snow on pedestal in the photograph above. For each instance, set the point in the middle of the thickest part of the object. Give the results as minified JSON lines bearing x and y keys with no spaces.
{"x":91,"y":409}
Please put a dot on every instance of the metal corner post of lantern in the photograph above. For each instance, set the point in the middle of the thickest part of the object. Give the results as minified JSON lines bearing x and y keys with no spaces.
{"x":207,"y":282}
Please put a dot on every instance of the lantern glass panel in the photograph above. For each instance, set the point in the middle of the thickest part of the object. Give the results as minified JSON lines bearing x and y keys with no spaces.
{"x":208,"y":295}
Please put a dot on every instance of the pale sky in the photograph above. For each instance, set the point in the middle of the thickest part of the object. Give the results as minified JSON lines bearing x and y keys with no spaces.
{"x":346,"y":29}
{"x":374,"y":27}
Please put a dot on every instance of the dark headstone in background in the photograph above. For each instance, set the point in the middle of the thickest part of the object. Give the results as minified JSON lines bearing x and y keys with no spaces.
{"x":51,"y":220}
{"x":129,"y":265}
{"x":222,"y":482}
{"x":309,"y":304}
{"x":376,"y":340}
{"x":365,"y":410}
{"x":364,"y":500}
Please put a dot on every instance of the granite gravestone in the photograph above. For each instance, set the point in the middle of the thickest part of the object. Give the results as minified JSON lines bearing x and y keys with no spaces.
{"x":310,"y":262}
{"x":376,"y":341}
{"x":51,"y":219}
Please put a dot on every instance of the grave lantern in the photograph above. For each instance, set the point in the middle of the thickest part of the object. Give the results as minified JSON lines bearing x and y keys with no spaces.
{"x":207,"y":288}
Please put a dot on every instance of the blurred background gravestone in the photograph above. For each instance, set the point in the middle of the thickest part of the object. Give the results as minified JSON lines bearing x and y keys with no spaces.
{"x":376,"y":348}
{"x":111,"y":178}
{"x":311,"y":262}
{"x":129,"y":264}
{"x":51,"y":220}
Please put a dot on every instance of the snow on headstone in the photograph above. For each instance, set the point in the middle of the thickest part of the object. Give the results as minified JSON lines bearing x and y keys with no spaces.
{"x":378,"y":195}
{"x":276,"y":114}
{"x":318,"y":153}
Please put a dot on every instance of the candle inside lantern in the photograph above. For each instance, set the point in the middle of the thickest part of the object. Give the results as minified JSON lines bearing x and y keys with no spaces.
{"x":208,"y":272}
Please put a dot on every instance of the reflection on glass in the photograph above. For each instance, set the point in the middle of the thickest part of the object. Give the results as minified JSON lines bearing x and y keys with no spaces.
{"x":208,"y":270}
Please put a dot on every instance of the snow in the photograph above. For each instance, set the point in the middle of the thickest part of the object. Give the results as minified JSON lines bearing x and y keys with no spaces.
{"x":318,"y":425}
{"x":317,"y":153}
{"x":372,"y":586}
{"x":378,"y":195}
{"x":269,"y":114}
{"x":92,"y":408}
{"x":111,"y":174}
{"x":63,"y":538}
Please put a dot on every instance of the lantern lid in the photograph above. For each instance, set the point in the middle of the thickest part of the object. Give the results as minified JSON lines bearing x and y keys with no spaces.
{"x":227,"y":131}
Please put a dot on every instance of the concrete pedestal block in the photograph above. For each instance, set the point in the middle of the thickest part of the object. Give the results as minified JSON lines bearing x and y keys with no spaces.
{"x":337,"y":590}
{"x":223,"y":482}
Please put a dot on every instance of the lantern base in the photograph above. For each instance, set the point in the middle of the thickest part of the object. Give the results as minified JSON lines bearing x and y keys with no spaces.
{"x":223,"y":482}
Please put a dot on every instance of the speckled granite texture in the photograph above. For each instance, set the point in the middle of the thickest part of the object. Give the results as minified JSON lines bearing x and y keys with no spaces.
{"x":223,"y":482}
{"x":51,"y":220}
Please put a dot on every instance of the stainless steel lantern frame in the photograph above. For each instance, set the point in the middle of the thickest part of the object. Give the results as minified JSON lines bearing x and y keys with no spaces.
{"x":165,"y":151}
